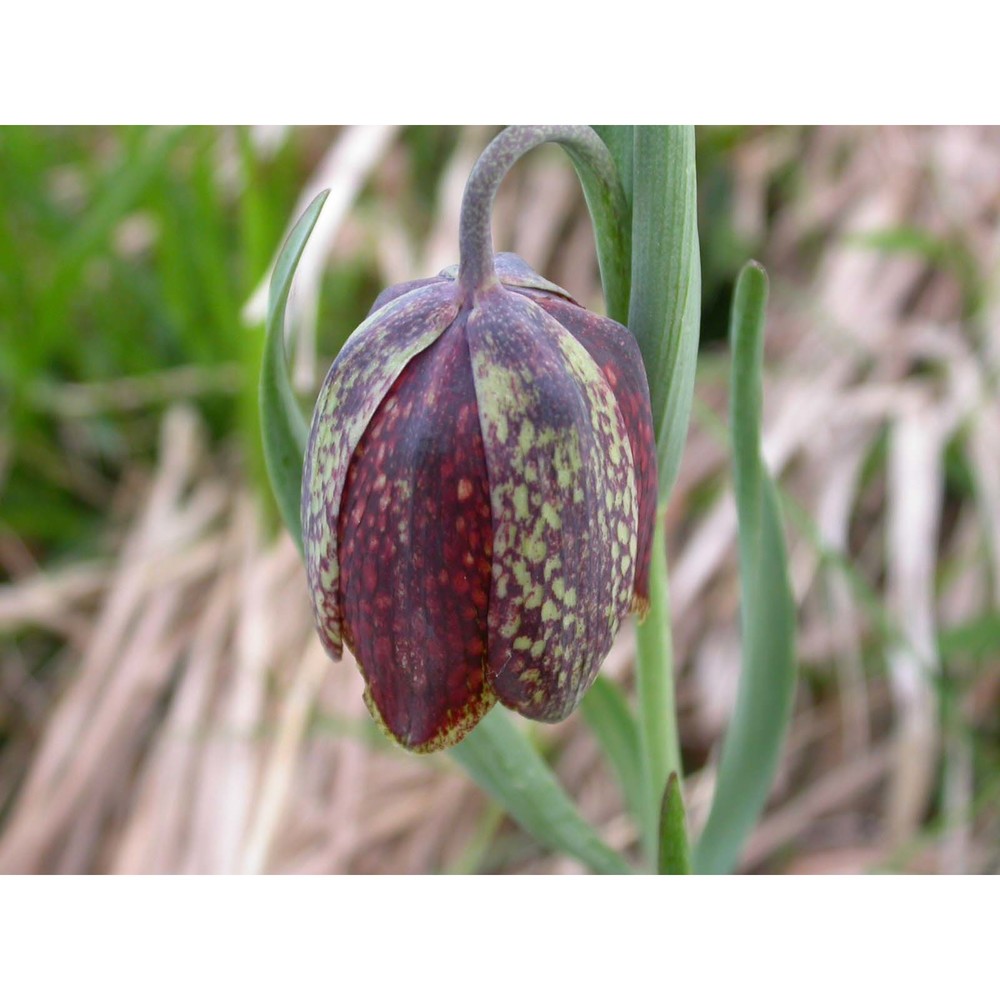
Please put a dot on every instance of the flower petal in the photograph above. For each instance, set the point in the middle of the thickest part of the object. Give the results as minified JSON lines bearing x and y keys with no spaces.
{"x":563,"y":494}
{"x":415,"y":545}
{"x":616,"y":352}
{"x":394,"y":292}
{"x":514,"y":272}
{"x":366,"y":367}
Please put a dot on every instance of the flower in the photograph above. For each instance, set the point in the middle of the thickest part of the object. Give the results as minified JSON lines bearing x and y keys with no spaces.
{"x":478,"y":500}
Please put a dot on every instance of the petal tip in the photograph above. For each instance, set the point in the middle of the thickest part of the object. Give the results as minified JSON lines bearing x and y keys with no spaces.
{"x":452,"y":732}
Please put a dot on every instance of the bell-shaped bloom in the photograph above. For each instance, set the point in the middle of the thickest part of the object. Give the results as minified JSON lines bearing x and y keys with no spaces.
{"x":478,"y":501}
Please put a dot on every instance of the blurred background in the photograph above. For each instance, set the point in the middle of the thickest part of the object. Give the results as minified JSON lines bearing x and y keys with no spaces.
{"x":164,"y":704}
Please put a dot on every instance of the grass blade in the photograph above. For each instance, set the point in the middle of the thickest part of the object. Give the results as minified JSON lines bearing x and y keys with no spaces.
{"x":607,"y":712}
{"x":504,"y":764}
{"x":283,"y":425}
{"x":675,"y":857}
{"x":756,"y":734}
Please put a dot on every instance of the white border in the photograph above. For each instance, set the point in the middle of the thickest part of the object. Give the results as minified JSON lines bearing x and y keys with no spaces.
{"x":522,"y":937}
{"x":453,"y":61}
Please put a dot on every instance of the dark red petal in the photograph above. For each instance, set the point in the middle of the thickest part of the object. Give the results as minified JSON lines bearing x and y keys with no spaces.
{"x":564,"y":505}
{"x":415,"y":546}
{"x":617,"y":354}
{"x":366,"y":367}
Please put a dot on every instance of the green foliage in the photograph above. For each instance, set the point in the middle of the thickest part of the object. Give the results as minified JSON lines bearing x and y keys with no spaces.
{"x":949,"y":253}
{"x":504,"y":764}
{"x":977,"y":637}
{"x":125,"y":254}
{"x":657,"y":165}
{"x":611,"y":719}
{"x":760,"y":721}
{"x":283,"y":426}
{"x":665,"y":304}
{"x":675,"y":858}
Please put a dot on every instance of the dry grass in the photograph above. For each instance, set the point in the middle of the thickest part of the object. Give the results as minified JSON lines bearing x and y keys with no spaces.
{"x":194,"y":724}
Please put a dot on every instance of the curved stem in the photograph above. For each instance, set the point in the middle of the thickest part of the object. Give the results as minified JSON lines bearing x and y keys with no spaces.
{"x":602,"y":187}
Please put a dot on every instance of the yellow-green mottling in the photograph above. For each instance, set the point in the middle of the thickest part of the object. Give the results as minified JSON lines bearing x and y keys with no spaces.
{"x":367,"y":366}
{"x":561,"y":471}
{"x":550,"y":421}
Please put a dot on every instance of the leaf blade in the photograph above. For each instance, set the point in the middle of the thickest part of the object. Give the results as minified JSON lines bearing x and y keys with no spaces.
{"x":665,"y":307}
{"x":607,"y":713}
{"x":508,"y":768}
{"x":657,"y":167}
{"x":283,"y":425}
{"x":753,"y":742}
{"x":675,"y":855}
{"x":605,"y":197}
{"x":620,"y":140}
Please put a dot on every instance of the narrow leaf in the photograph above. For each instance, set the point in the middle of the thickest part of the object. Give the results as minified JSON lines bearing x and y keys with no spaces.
{"x":665,"y":307}
{"x":620,"y":140}
{"x":753,"y":743}
{"x":608,"y":208}
{"x":675,"y":857}
{"x":283,"y":425}
{"x":506,"y":766}
{"x":657,"y":166}
{"x":607,"y":712}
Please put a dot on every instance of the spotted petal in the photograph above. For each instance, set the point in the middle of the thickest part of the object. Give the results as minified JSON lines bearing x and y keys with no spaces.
{"x":563,"y":495}
{"x":415,"y":545}
{"x":616,"y":352}
{"x":394,"y":292}
{"x":366,"y":367}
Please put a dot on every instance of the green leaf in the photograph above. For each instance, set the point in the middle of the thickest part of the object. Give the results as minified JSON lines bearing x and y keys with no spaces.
{"x":620,"y":140}
{"x":675,"y":857}
{"x":116,"y":195}
{"x":657,"y":166}
{"x":283,"y":425}
{"x":665,"y":307}
{"x":607,"y":712}
{"x":608,"y":208}
{"x":506,"y":766}
{"x":753,"y":743}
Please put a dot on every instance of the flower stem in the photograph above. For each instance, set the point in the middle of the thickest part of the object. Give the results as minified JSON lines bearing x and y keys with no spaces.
{"x":654,"y":670}
{"x":601,"y":185}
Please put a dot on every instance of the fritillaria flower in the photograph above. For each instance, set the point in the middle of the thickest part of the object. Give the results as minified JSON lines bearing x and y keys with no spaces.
{"x":478,"y":498}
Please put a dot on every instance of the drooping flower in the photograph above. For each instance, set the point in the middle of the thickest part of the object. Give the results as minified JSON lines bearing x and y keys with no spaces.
{"x":478,"y":500}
